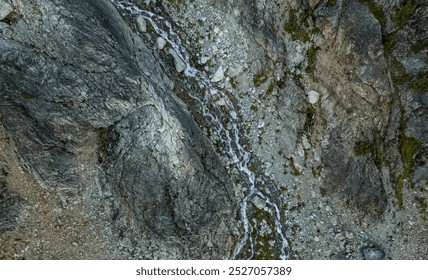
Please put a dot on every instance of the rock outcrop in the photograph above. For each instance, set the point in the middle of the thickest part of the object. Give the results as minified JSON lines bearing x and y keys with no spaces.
{"x":87,"y":111}
{"x":103,"y":154}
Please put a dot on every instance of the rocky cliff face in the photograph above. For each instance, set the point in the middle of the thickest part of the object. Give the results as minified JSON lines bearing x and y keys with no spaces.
{"x":106,"y":153}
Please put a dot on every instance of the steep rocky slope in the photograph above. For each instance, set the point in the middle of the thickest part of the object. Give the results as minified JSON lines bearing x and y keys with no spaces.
{"x":105,"y":154}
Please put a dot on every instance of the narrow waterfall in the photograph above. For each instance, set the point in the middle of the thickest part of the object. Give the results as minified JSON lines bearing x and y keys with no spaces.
{"x":229,"y":136}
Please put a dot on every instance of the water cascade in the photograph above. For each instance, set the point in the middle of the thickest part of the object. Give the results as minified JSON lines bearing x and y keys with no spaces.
{"x":229,"y":135}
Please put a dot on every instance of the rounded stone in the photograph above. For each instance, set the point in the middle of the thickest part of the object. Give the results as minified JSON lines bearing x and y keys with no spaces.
{"x":141,"y":24}
{"x":313,"y":96}
{"x":160,"y":43}
{"x":373,"y":254}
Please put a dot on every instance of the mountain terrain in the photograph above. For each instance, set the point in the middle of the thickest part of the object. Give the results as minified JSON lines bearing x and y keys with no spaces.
{"x":204,"y":129}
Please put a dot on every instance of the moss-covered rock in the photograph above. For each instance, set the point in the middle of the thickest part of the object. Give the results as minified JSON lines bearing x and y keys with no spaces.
{"x":403,"y":14}
{"x":295,"y":28}
{"x":260,"y":78}
{"x":409,"y":148}
{"x":376,"y":10}
{"x":362,"y":148}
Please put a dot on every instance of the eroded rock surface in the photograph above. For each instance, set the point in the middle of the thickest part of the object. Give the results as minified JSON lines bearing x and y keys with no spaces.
{"x":86,"y":110}
{"x":97,"y":125}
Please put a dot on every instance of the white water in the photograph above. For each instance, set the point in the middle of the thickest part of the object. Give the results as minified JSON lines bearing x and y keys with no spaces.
{"x":230,"y":138}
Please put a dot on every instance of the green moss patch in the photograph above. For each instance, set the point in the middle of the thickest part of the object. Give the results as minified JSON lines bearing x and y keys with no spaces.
{"x":106,"y":137}
{"x":294,"y":27}
{"x":376,"y":10}
{"x":11,"y":18}
{"x":362,"y":148}
{"x":331,"y":3}
{"x":403,"y":14}
{"x":260,"y":78}
{"x":252,"y":168}
{"x":419,"y":84}
{"x":409,"y":147}
{"x":309,"y":120}
{"x":263,"y":250}
{"x":375,"y":148}
{"x":312,"y":52}
{"x":389,"y":41}
{"x":270,"y":88}
{"x":27,"y":96}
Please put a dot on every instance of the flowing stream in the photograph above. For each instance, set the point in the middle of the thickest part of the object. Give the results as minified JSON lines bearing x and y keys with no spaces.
{"x":229,"y":136}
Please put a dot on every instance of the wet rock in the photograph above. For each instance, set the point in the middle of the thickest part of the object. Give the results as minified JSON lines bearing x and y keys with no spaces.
{"x":178,"y":62}
{"x":221,"y":102}
{"x":258,"y":202}
{"x":160,"y":43}
{"x":141,"y":23}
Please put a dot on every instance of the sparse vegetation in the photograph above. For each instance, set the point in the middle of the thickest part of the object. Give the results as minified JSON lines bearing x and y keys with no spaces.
{"x":331,"y":3}
{"x":362,"y":148}
{"x":376,"y":10}
{"x":417,"y":83}
{"x":260,"y":78}
{"x":309,"y":120}
{"x":27,"y":96}
{"x":102,"y":140}
{"x":233,"y":83}
{"x":252,"y":168}
{"x":106,"y":137}
{"x":270,"y":88}
{"x":323,"y":191}
{"x":388,"y":41}
{"x":294,"y":27}
{"x":409,"y":148}
{"x":11,"y":18}
{"x":312,"y":52}
{"x":263,"y":250}
{"x":403,"y":14}
{"x":420,"y":84}
{"x":374,"y":148}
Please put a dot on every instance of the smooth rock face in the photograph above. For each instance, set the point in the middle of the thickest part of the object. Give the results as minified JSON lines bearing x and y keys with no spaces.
{"x":103,"y":154}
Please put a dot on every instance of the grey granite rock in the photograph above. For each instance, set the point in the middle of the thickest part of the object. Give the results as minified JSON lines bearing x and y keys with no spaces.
{"x":88,"y":109}
{"x":98,"y":132}
{"x":373,"y":254}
